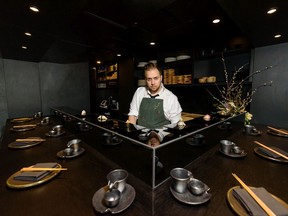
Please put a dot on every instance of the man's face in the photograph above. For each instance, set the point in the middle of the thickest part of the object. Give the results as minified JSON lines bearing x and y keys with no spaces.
{"x":153,"y":80}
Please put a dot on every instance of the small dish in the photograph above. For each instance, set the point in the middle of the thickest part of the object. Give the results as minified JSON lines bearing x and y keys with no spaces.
{"x":190,"y":198}
{"x":62,"y":154}
{"x":127,"y":198}
{"x":53,"y":133}
{"x":234,"y":155}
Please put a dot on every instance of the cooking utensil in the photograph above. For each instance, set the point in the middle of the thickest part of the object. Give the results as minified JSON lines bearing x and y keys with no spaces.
{"x":279,"y":131}
{"x":255,"y":197}
{"x":272,"y":150}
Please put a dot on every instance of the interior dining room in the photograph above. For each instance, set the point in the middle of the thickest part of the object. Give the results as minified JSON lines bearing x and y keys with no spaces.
{"x":69,"y":70}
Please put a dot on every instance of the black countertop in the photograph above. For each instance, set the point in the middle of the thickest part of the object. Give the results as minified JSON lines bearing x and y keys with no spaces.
{"x":71,"y":192}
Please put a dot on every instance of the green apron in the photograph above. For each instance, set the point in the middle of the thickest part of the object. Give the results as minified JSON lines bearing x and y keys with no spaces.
{"x":151,"y":113}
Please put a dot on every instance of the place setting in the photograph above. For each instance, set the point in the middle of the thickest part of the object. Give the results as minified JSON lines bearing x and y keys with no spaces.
{"x":277,"y":132}
{"x":230,"y":149}
{"x":34,"y":175}
{"x":187,"y":189}
{"x":25,"y":142}
{"x":56,"y":131}
{"x":116,"y":196}
{"x":73,"y":149}
{"x":246,"y":200}
{"x":271,"y":153}
{"x":251,"y":130}
{"x":21,"y":120}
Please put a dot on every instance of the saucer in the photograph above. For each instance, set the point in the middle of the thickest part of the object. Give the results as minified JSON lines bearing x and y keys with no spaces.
{"x":61,"y":154}
{"x":22,"y":145}
{"x":254,"y":133}
{"x":50,"y":134}
{"x":234,"y":155}
{"x":127,"y":197}
{"x":258,"y":151}
{"x":191,"y":199}
{"x":276,"y":133}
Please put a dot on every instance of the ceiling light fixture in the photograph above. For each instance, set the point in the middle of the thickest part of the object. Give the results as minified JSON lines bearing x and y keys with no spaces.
{"x":98,"y":62}
{"x":277,"y":36}
{"x":28,"y":34}
{"x":152,"y":43}
{"x":119,"y":55}
{"x":216,"y":21}
{"x":24,"y":47}
{"x":34,"y":9}
{"x":272,"y":10}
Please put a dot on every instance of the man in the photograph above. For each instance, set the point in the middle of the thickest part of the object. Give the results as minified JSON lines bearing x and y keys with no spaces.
{"x":154,"y":106}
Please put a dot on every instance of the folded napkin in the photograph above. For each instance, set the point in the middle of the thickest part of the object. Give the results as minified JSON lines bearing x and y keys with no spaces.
{"x":35,"y":175}
{"x":272,"y":154}
{"x":252,"y":206}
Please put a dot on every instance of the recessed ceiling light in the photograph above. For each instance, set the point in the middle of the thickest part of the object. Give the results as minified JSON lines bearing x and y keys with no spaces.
{"x":272,"y":10}
{"x":277,"y":36}
{"x":152,"y":43}
{"x":216,"y":21}
{"x":28,"y":34}
{"x":98,"y":62}
{"x":24,"y":47}
{"x":34,"y":9}
{"x":118,"y":54}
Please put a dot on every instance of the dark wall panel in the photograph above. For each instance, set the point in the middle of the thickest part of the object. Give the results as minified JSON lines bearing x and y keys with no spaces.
{"x":270,"y":104}
{"x":65,"y":85}
{"x":3,"y":101}
{"x":22,"y":88}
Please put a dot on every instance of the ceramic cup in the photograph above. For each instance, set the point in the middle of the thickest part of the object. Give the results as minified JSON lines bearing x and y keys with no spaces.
{"x":196,"y":187}
{"x":249,"y":129}
{"x":237,"y":150}
{"x":117,"y":179}
{"x":45,"y":121}
{"x":180,"y":179}
{"x":58,"y":129}
{"x":68,"y":151}
{"x":111,"y":198}
{"x":226,"y":146}
{"x":74,"y":144}
{"x":198,"y":139}
{"x":38,"y":115}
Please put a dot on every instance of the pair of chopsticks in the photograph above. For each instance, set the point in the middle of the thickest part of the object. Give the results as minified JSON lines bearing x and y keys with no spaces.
{"x":31,"y":140}
{"x":255,"y":197}
{"x":272,"y":150}
{"x":277,"y":130}
{"x":28,"y":169}
{"x":22,"y":119}
{"x":23,"y":126}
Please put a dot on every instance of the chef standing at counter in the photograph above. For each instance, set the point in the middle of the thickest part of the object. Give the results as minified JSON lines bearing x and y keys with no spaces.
{"x":154,"y":106}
